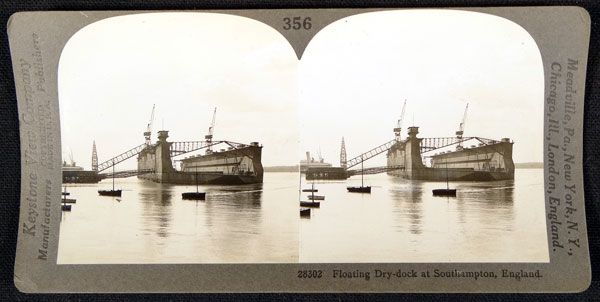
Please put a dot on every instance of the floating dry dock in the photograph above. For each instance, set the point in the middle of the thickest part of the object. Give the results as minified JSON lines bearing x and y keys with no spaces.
{"x":449,"y":159}
{"x":239,"y":164}
{"x":487,"y":161}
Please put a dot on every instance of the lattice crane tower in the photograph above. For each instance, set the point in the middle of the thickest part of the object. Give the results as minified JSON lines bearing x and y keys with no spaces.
{"x":343,"y":160}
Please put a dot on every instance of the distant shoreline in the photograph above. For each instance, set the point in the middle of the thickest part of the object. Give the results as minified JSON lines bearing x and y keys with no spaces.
{"x":527,"y":165}
{"x":281,"y":169}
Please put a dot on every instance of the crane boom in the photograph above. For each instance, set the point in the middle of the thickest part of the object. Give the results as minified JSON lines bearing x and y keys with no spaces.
{"x":461,"y":128}
{"x":398,"y":128}
{"x":148,"y":133}
{"x":208,"y":138}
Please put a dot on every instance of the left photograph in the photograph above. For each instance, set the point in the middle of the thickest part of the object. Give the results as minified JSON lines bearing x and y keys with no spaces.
{"x":179,"y":142}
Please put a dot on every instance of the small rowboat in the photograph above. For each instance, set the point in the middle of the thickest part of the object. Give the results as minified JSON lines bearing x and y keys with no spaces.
{"x":110,"y":193}
{"x":194,"y":195}
{"x":444,"y":192}
{"x":360,"y":189}
{"x":310,"y":204}
{"x":310,"y":190}
{"x":447,"y":191}
{"x":316,"y":197}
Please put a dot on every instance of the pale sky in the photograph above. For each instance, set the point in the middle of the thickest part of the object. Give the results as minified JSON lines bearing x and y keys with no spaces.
{"x":113,"y":71}
{"x":356,"y":73}
{"x":351,"y":81}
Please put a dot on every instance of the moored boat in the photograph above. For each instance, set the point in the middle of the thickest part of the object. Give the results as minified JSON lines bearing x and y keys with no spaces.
{"x":310,"y":204}
{"x":362,"y":188}
{"x":110,"y":193}
{"x":304,"y":212}
{"x":444,"y":192}
{"x":194,"y":195}
{"x":447,"y":191}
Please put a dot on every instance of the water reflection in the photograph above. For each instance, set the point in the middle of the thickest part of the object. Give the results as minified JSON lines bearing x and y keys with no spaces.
{"x":491,"y":204}
{"x":153,"y":224}
{"x":234,"y":204}
{"x":408,"y":198}
{"x":156,"y":206}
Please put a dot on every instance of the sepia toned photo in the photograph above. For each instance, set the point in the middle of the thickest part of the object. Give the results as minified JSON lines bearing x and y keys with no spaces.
{"x":180,"y":141}
{"x":429,"y":147}
{"x":169,"y":124}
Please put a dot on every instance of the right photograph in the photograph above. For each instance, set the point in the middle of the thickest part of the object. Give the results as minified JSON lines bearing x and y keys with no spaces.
{"x":422,"y":140}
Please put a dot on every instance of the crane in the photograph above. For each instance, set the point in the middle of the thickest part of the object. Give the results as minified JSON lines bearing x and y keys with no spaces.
{"x":148,"y":132}
{"x":343,"y":160}
{"x":71,"y":157}
{"x":94,"y":157}
{"x":320,"y":157}
{"x":398,"y":128}
{"x":209,"y":136}
{"x":461,"y":129}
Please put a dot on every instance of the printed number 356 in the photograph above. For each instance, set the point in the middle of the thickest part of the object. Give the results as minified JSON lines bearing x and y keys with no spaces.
{"x":296,"y":23}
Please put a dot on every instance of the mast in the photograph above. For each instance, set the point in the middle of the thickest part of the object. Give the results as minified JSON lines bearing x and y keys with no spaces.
{"x":362,"y":173}
{"x":299,"y":183}
{"x":447,"y":186}
{"x":196,"y":177}
{"x":113,"y":178}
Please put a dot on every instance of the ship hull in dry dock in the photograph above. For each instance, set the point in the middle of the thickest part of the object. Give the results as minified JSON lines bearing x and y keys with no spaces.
{"x":236,"y":166}
{"x":188,"y":178}
{"x":488,"y":161}
{"x":441,"y":174}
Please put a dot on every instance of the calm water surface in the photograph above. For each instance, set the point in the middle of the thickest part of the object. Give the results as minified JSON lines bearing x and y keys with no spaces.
{"x":152,"y":224}
{"x":399,"y":222}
